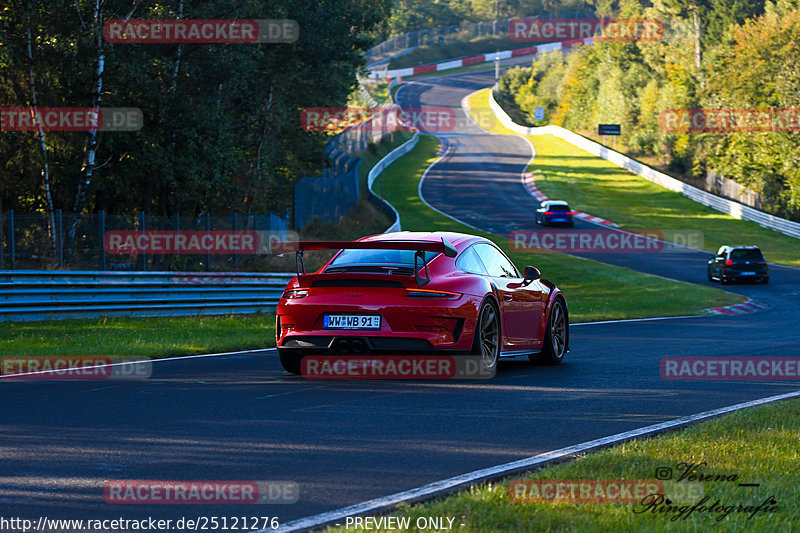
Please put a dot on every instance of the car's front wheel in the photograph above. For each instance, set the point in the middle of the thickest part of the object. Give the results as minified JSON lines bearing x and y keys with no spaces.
{"x":486,"y":342}
{"x":554,"y":347}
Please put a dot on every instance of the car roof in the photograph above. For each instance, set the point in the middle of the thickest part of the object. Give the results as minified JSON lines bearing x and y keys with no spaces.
{"x":556,"y":202}
{"x":741,"y":247}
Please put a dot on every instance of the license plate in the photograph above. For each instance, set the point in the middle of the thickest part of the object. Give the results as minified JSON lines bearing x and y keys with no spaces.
{"x":351,"y":322}
{"x":559,"y":219}
{"x":747,"y":273}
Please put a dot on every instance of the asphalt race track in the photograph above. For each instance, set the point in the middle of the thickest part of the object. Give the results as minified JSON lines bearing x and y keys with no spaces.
{"x":239,"y":417}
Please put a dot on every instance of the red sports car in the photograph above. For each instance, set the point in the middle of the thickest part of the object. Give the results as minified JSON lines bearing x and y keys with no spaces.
{"x":412,"y":293}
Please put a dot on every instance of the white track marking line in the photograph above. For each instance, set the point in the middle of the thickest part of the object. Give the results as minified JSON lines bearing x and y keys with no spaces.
{"x":176,"y":358}
{"x":445,"y":486}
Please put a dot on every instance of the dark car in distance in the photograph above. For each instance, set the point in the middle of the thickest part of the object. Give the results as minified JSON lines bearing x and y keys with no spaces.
{"x":554,"y":212}
{"x":738,"y":263}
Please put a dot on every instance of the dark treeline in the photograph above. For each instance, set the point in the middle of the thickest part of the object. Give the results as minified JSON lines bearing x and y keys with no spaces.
{"x":222,"y":129}
{"x":414,"y":15}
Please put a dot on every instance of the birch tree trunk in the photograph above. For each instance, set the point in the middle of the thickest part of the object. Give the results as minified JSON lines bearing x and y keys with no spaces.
{"x":51,"y":218}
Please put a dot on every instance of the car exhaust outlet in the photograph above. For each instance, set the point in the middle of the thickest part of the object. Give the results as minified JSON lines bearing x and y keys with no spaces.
{"x":358,"y":346}
{"x":343,"y":346}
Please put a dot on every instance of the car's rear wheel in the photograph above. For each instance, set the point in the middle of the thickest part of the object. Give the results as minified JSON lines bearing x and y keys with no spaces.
{"x":486,"y":342}
{"x":554,"y":347}
{"x":290,"y":361}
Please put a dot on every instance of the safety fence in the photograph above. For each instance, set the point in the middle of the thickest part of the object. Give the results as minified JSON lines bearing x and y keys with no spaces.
{"x":77,"y":241}
{"x":336,"y":193}
{"x":46,"y":295}
{"x":467,"y":31}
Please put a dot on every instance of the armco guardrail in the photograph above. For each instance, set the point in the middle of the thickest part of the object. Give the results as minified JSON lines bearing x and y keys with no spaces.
{"x":735,"y":209}
{"x":390,"y":158}
{"x":46,"y":295}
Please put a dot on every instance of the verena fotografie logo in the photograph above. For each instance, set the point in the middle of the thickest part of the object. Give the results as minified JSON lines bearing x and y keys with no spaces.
{"x":186,"y":242}
{"x":71,"y":119}
{"x":394,"y":367}
{"x":200,"y":492}
{"x":384,"y":119}
{"x":536,"y":30}
{"x":605,"y":240}
{"x":728,"y":368}
{"x":232,"y":31}
{"x":729,"y":120}
{"x":72,"y":367}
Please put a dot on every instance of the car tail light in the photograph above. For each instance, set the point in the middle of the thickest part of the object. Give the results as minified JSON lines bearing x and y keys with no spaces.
{"x":569,"y":213}
{"x":431,"y":293}
{"x":548,"y":212}
{"x":729,"y":262}
{"x":294,"y":293}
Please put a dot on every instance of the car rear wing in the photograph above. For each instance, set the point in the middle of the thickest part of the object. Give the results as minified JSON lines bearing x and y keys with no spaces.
{"x":419,"y":246}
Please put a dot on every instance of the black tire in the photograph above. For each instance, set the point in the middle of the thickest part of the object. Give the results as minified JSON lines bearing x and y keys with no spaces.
{"x":486,"y":341}
{"x":765,"y":281}
{"x":554,"y":347}
{"x":708,"y":271}
{"x":290,"y":361}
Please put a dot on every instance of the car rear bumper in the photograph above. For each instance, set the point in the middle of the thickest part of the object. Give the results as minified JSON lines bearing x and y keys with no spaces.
{"x":406,"y":325}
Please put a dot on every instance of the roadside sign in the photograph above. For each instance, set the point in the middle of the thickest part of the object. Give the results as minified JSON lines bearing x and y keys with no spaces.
{"x":538,"y":112}
{"x":608,"y":129}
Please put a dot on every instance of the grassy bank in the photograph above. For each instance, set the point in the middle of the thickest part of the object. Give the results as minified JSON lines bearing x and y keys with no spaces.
{"x":594,"y":185}
{"x":145,"y":337}
{"x":757,"y":445}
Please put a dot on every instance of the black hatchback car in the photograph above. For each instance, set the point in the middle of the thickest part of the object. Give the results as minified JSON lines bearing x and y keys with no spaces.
{"x":554,"y":212}
{"x":738,"y":263}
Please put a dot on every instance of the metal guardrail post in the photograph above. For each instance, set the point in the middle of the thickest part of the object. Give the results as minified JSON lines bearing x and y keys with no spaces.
{"x":235,"y":227}
{"x":208,"y":253}
{"x":60,"y":238}
{"x":11,"y":235}
{"x":103,"y":240}
{"x":142,"y":228}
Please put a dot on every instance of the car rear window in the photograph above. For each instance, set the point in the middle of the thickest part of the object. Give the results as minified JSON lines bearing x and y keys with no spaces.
{"x":747,"y":255}
{"x":378,"y":257}
{"x":559,"y":208}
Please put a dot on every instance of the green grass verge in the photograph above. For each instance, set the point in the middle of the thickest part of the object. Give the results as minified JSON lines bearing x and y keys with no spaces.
{"x":595,"y":291}
{"x":594,"y":185}
{"x":758,"y":445}
{"x":146,"y":337}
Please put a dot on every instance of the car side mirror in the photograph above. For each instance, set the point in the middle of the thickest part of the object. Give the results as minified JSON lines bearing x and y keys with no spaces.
{"x":532,"y":274}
